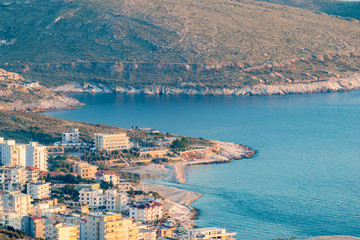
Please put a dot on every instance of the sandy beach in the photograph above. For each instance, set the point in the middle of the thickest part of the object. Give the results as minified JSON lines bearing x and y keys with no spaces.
{"x":176,"y":202}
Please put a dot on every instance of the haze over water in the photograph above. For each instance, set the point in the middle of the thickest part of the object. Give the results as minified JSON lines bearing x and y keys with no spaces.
{"x":303,"y":182}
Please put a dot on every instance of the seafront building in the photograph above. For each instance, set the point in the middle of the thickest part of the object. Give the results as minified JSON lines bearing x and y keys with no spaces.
{"x":36,"y":156}
{"x":111,"y":141}
{"x":148,"y":211}
{"x":211,"y":233}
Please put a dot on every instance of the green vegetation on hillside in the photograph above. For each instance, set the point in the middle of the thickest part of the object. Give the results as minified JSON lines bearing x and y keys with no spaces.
{"x":181,"y":43}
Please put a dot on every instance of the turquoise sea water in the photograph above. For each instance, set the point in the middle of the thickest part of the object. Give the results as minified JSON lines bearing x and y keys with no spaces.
{"x":305,"y":179}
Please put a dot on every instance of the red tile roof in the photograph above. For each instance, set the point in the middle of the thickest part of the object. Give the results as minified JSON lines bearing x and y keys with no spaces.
{"x":31,"y":168}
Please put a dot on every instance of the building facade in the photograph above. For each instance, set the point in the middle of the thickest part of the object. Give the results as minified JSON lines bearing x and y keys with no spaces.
{"x":148,"y":211}
{"x":85,"y":170}
{"x":62,"y":231}
{"x":111,"y":141}
{"x":38,"y":190}
{"x":12,"y":178}
{"x":33,"y":226}
{"x":211,"y":233}
{"x":36,"y":156}
{"x":12,"y":154}
{"x":71,"y":137}
{"x":110,"y":226}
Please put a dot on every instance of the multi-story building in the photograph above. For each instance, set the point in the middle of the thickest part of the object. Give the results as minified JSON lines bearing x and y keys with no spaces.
{"x":46,"y":209}
{"x":33,"y":226}
{"x":16,"y":205}
{"x":111,"y":141}
{"x":38,"y":190}
{"x":146,"y":233}
{"x":12,"y":178}
{"x":110,"y":226}
{"x":12,"y":154}
{"x":62,"y":231}
{"x":148,"y":211}
{"x":111,"y":200}
{"x":71,"y":137}
{"x":85,"y":170}
{"x":108,"y":176}
{"x":36,"y":156}
{"x":94,"y":198}
{"x":115,"y":200}
{"x":32,"y":174}
{"x":210,"y":233}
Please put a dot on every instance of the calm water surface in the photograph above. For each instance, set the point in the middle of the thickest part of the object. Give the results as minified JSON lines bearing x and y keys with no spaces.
{"x":303,"y":182}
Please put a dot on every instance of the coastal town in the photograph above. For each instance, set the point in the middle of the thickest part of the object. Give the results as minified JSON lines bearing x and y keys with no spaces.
{"x":74,"y":189}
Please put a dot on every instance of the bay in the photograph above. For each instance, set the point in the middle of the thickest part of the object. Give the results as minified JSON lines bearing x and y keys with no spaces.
{"x":304,"y":180}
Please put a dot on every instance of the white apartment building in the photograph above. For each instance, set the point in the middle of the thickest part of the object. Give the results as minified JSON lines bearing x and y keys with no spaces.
{"x":16,"y":205}
{"x":36,"y":156}
{"x":111,"y":141}
{"x":46,"y":209}
{"x":38,"y":190}
{"x":148,"y":211}
{"x":62,"y":231}
{"x":94,"y":198}
{"x":115,"y":200}
{"x":12,"y":178}
{"x":12,"y":154}
{"x":70,"y":138}
{"x":111,"y":199}
{"x":210,"y":233}
{"x":108,"y":176}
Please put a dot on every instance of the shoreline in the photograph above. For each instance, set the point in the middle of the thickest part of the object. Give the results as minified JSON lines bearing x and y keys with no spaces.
{"x":350,"y":83}
{"x":220,"y":152}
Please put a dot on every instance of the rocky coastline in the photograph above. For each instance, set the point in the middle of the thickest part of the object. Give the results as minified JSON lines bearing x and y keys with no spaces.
{"x":331,"y":85}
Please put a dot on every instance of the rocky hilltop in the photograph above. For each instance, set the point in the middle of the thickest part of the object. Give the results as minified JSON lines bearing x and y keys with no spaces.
{"x":17,"y":94}
{"x":203,"y":47}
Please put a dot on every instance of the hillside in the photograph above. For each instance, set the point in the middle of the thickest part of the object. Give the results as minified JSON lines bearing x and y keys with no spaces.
{"x":175,"y":43}
{"x":25,"y":127}
{"x":17,"y":94}
{"x":345,"y":9}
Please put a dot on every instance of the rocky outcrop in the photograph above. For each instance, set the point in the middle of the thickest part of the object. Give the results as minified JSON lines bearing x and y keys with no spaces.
{"x":332,"y":85}
{"x":61,"y":102}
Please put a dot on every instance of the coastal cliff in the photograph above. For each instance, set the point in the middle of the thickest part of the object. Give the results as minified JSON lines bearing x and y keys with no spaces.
{"x":334,"y":84}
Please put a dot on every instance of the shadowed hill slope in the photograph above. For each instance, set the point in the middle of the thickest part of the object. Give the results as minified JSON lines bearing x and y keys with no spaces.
{"x":181,"y":43}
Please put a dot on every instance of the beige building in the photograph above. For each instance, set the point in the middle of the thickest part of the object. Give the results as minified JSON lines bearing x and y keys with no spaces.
{"x":111,"y":200}
{"x":12,"y":178}
{"x":32,"y":174}
{"x":33,"y":226}
{"x":110,"y":226}
{"x":38,"y":190}
{"x":111,"y":141}
{"x":85,"y":170}
{"x":210,"y":233}
{"x":16,"y":205}
{"x":62,"y":231}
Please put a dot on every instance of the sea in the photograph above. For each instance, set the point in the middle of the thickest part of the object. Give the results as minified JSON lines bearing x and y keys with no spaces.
{"x":304,"y":180}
